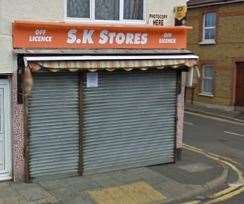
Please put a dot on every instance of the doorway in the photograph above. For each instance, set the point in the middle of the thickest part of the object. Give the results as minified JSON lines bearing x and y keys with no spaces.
{"x":240,"y":84}
{"x":5,"y":143}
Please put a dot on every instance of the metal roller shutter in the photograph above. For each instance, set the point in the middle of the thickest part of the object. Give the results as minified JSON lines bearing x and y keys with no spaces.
{"x":129,"y":120}
{"x":54,"y":125}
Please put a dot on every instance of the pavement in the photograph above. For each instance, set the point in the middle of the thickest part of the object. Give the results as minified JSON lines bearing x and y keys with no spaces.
{"x":193,"y":175}
{"x":237,"y":116}
{"x":197,"y":177}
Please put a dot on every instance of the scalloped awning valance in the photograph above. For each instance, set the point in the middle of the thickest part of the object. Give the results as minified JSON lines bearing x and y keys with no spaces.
{"x":110,"y":63}
{"x":95,"y":63}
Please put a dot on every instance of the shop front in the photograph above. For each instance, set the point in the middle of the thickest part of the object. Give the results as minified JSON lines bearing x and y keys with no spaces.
{"x":99,"y":98}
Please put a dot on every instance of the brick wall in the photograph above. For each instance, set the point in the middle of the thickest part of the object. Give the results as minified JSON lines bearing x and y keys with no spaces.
{"x":229,"y":48}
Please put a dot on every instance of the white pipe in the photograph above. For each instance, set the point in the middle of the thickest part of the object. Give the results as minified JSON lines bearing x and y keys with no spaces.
{"x":190,"y":77}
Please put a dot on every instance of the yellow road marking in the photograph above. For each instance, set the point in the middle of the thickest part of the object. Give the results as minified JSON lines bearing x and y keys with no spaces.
{"x":192,"y":202}
{"x":227,"y":196}
{"x":223,"y":192}
{"x":218,"y":158}
{"x":228,"y":192}
{"x":135,"y":193}
{"x":221,"y":157}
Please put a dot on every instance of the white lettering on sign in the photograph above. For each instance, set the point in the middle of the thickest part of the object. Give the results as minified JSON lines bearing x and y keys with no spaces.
{"x":157,"y":19}
{"x":71,"y":36}
{"x":167,"y":38}
{"x":122,"y":38}
{"x":40,"y":36}
{"x":106,"y":37}
{"x":87,"y":37}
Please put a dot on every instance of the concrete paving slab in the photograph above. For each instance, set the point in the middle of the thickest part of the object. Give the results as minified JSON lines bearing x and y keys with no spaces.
{"x":74,"y":191}
{"x":156,"y":184}
{"x":4,"y":185}
{"x":86,"y":198}
{"x":86,"y":184}
{"x":60,"y":183}
{"x":155,"y":178}
{"x":79,"y":183}
{"x":53,"y":184}
{"x":190,"y":159}
{"x":136,"y":193}
{"x":12,"y":200}
{"x":125,"y":178}
{"x":81,"y":198}
{"x":44,"y":201}
{"x":7,"y":191}
{"x":32,"y":192}
{"x":105,"y":180}
{"x":140,"y":172}
{"x":195,"y":167}
{"x":169,"y":188}
{"x":63,"y":193}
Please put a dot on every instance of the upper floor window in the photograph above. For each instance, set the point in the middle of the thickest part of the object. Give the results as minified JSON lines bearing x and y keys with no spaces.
{"x":114,"y":10}
{"x":209,"y":27}
{"x":207,"y":80}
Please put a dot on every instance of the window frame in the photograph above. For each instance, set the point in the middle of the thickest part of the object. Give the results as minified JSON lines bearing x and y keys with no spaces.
{"x":209,"y":41}
{"x":92,"y":15}
{"x":203,"y":92}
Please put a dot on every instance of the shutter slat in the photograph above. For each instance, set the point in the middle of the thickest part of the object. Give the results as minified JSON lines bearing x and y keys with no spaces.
{"x":54,"y":124}
{"x":129,"y":120}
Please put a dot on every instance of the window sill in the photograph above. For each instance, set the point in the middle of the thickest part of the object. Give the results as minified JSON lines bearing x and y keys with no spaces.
{"x":206,"y":95}
{"x":87,"y":20}
{"x":207,"y":42}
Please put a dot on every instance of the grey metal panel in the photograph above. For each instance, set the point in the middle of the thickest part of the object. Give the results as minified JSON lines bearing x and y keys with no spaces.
{"x":129,"y":120}
{"x":53,"y":121}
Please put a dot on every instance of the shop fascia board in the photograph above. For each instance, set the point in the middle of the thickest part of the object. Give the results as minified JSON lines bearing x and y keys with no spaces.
{"x":25,"y":23}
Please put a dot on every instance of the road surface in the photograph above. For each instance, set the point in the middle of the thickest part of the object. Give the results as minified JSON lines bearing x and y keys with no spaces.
{"x":220,"y":137}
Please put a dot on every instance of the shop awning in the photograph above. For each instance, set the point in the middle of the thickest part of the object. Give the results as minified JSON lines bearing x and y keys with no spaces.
{"x":110,"y":63}
{"x":95,"y":63}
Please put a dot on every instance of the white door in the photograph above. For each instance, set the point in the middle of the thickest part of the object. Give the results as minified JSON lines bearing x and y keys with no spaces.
{"x":5,"y":143}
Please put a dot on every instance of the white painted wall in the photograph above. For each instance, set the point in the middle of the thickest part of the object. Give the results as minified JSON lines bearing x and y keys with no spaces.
{"x":164,"y":7}
{"x":53,"y":10}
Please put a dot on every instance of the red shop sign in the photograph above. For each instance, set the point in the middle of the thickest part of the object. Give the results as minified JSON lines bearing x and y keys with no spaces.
{"x":61,"y":35}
